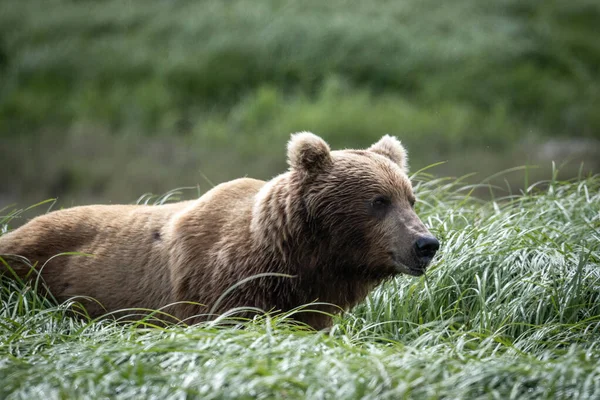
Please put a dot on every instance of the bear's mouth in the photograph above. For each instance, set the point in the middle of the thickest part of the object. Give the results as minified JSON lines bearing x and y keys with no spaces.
{"x":413,"y":271}
{"x":416,"y":271}
{"x":402,"y":268}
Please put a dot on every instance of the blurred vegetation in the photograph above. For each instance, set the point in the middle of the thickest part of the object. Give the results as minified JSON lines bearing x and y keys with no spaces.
{"x":106,"y":100}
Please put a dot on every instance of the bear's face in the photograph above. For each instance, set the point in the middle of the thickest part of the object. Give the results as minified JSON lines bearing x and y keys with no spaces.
{"x":362,"y":203}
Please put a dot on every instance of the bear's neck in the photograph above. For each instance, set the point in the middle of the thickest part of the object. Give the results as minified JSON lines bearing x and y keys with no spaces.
{"x":278,"y":219}
{"x":287,"y":243}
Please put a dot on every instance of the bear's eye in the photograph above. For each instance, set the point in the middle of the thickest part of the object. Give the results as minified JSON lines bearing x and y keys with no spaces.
{"x":412,"y":202}
{"x":381,"y":202}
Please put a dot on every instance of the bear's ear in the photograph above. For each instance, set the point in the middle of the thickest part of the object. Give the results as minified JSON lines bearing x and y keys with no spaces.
{"x":308,"y":152}
{"x":390,"y":147}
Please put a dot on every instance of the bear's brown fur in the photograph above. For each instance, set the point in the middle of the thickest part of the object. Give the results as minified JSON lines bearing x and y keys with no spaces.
{"x":338,"y":222}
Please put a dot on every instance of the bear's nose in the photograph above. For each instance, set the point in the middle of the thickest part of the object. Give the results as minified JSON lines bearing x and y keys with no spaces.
{"x":426,"y":247}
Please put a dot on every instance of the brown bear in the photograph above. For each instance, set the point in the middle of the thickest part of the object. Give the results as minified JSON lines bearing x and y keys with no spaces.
{"x":328,"y":230}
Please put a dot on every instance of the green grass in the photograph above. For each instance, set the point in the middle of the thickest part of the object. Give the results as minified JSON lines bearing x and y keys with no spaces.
{"x":510,"y":309}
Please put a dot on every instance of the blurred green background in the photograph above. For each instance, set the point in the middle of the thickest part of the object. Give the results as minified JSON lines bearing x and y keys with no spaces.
{"x":102,"y":101}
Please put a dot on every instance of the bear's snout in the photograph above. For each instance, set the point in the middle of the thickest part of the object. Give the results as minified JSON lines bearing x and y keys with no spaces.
{"x":426,"y":247}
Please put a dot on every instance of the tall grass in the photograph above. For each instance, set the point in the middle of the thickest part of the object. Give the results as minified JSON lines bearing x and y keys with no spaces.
{"x":508,"y":267}
{"x":510,"y":309}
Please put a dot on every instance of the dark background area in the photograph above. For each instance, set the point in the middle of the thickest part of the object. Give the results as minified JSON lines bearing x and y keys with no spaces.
{"x":103,"y":101}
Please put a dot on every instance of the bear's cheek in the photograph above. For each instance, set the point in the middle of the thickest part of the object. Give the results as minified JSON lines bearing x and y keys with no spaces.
{"x":379,"y":246}
{"x":391,"y":245}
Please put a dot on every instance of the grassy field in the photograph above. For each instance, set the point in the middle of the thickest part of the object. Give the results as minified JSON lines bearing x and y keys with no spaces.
{"x":510,"y":309}
{"x":103,"y":100}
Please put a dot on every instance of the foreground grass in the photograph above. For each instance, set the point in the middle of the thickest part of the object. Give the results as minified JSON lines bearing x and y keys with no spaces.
{"x":511,"y":309}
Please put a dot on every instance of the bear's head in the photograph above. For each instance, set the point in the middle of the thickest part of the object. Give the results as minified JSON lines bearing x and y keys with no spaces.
{"x":360,"y":205}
